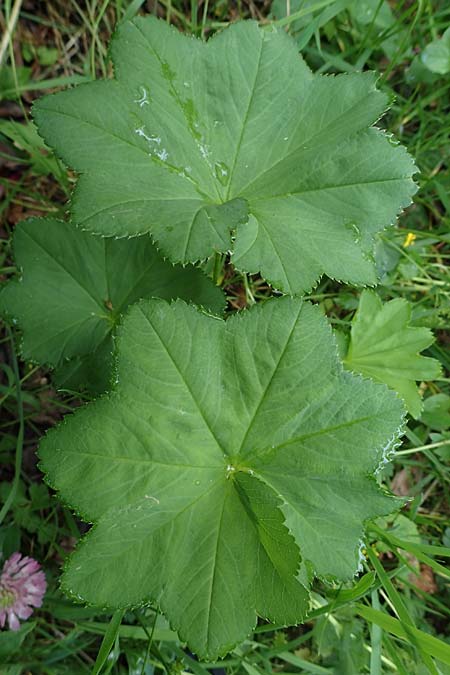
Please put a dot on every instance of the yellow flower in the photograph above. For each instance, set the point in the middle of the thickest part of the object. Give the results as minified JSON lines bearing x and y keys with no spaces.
{"x":409,"y":239}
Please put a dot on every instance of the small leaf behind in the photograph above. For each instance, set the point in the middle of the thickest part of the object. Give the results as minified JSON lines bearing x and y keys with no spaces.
{"x":385,"y":347}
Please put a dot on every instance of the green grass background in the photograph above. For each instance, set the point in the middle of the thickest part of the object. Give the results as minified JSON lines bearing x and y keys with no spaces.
{"x":394,"y":619}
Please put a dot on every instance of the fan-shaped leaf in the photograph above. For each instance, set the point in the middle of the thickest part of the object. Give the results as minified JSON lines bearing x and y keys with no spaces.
{"x":385,"y":347}
{"x":74,"y":288}
{"x":232,"y":145}
{"x":213,"y":435}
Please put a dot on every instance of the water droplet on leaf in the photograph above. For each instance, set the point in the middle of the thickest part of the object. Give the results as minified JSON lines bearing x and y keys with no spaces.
{"x":355,"y":231}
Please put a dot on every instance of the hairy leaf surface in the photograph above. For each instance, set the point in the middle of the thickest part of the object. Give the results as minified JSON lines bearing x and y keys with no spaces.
{"x":74,"y":288}
{"x":385,"y":347}
{"x":224,"y":452}
{"x":232,"y":145}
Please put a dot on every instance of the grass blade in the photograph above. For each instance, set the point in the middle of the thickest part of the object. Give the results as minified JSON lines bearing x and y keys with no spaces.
{"x":429,"y":644}
{"x":110,"y":636}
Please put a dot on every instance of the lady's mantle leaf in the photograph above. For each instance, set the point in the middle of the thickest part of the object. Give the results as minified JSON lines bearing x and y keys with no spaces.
{"x":196,"y":142}
{"x":74,"y":288}
{"x":385,"y":347}
{"x":214,"y":434}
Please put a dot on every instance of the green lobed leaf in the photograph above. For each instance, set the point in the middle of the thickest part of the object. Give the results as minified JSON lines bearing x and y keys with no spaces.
{"x":385,"y":347}
{"x":232,"y":145}
{"x":224,"y":451}
{"x":74,"y":288}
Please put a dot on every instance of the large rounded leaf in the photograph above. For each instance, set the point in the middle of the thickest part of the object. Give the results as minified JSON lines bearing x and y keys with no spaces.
{"x":73,"y":289}
{"x":225,"y":451}
{"x":232,"y":145}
